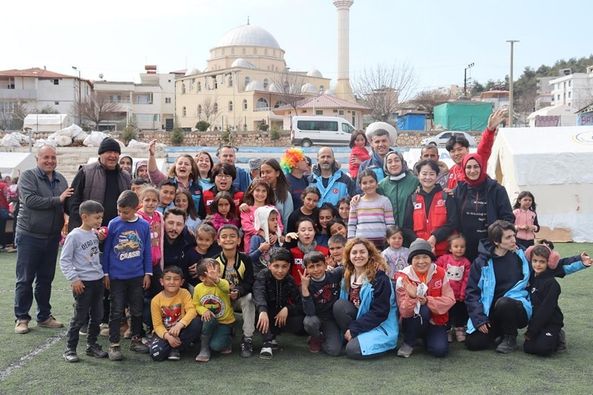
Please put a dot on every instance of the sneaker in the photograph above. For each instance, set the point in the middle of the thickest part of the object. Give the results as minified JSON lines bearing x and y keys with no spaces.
{"x":51,"y":322}
{"x":95,"y":350}
{"x":460,"y":334}
{"x":174,"y":355}
{"x":247,"y":347}
{"x":137,"y":346}
{"x":450,"y":336}
{"x":561,"y":341}
{"x":10,"y":249}
{"x":22,"y":327}
{"x":274,"y":343}
{"x":227,"y":351}
{"x":315,"y":344}
{"x":266,"y":351}
{"x":84,"y":330}
{"x":508,"y":344}
{"x":70,"y":355}
{"x":115,"y":353}
{"x":405,"y":350}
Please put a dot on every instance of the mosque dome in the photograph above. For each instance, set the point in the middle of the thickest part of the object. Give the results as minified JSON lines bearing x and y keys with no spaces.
{"x":192,"y":72}
{"x":314,"y":73}
{"x":274,"y":87}
{"x":240,"y":62}
{"x":248,"y":35}
{"x":308,"y":88}
{"x":255,"y":85}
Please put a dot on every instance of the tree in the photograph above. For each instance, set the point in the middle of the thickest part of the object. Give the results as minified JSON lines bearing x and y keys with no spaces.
{"x":382,"y":88}
{"x":209,"y":112}
{"x":95,"y":108}
{"x":287,"y":89}
{"x":430,"y":98}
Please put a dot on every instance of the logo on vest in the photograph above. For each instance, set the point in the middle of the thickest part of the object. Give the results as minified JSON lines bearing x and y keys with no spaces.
{"x":299,"y":262}
{"x":335,"y":191}
{"x":438,"y":284}
{"x":417,"y":206}
{"x":440,"y":203}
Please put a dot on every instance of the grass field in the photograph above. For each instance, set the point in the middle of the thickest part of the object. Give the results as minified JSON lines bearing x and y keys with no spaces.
{"x":294,"y":369}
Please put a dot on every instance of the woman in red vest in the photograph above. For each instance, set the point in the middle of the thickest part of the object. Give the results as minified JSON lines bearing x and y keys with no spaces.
{"x":424,"y":298}
{"x":430,"y":213}
{"x":223,"y":175}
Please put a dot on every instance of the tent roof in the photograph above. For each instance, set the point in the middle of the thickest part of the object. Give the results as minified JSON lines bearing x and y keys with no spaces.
{"x":14,"y":163}
{"x":45,"y":119}
{"x":560,"y":109}
{"x":553,"y":140}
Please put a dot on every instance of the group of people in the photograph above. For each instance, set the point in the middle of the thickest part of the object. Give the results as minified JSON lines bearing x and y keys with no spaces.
{"x":351,"y":260}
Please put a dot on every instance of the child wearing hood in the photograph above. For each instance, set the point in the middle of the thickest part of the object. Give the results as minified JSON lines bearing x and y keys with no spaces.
{"x":268,"y":235}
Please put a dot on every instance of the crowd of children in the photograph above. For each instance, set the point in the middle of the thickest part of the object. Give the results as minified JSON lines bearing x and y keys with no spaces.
{"x":344,"y":275}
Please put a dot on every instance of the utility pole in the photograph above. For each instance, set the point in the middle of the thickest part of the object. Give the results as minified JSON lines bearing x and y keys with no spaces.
{"x":79,"y":97}
{"x":511,"y":110}
{"x":469,"y":66}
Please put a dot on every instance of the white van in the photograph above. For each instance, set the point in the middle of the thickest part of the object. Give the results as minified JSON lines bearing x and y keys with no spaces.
{"x":308,"y":131}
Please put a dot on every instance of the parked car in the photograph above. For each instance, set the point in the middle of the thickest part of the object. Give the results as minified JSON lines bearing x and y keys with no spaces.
{"x":441,"y":139}
{"x":318,"y":130}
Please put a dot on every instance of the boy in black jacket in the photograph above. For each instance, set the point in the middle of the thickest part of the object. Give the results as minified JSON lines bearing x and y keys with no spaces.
{"x":277,"y":300}
{"x":543,"y":331}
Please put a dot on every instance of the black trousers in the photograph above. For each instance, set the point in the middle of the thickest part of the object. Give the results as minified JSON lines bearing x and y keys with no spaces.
{"x":506,"y":317}
{"x":458,"y":315}
{"x":294,"y":324}
{"x":545,"y":343}
{"x":124,"y":292}
{"x":90,"y":302}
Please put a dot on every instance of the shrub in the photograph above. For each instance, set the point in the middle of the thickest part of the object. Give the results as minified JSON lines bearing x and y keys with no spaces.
{"x":177,"y":136}
{"x":128,"y":134}
{"x":274,"y":134}
{"x":263,"y":127}
{"x":202,"y":126}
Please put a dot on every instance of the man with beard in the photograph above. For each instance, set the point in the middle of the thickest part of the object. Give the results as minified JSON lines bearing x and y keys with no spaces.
{"x":228,"y":154}
{"x":333,"y":184}
{"x":380,"y":147}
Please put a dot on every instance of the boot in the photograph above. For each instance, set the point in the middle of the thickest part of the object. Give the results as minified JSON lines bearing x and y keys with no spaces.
{"x":204,"y":355}
{"x":460,"y":334}
{"x":508,"y":344}
{"x":561,"y":341}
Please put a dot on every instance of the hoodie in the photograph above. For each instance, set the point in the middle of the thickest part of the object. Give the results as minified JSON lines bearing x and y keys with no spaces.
{"x":334,"y":188}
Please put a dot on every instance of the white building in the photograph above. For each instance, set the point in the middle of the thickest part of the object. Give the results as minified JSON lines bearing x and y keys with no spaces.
{"x":36,"y":89}
{"x":147,"y":105}
{"x":574,"y":90}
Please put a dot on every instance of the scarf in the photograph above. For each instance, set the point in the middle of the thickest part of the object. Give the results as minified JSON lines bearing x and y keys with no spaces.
{"x":482,"y":178}
{"x":404,"y":170}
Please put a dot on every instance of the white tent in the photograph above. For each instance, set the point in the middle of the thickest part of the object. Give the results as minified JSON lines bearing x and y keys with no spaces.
{"x":554,"y":163}
{"x":46,"y":122}
{"x":14,"y":163}
{"x":564,"y":114}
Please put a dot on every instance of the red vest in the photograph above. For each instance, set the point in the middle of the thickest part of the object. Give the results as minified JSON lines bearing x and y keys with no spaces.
{"x":437,"y":217}
{"x":435,"y":289}
{"x":298,"y":266}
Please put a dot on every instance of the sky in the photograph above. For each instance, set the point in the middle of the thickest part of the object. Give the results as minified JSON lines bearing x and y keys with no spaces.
{"x":437,"y":38}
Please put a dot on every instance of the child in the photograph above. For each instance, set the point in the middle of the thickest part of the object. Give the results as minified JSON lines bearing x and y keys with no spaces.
{"x":142,"y":170}
{"x":344,"y":209}
{"x":268,"y":235}
{"x":336,"y":245}
{"x":149,"y":199}
{"x":424,"y":297}
{"x":359,"y":153}
{"x":543,"y":331}
{"x":525,"y":219}
{"x":173,"y":317}
{"x":258,"y":194}
{"x":372,"y":214}
{"x":326,"y":213}
{"x":277,"y":301}
{"x":305,"y":243}
{"x":184,"y":201}
{"x":213,"y":304}
{"x":167,"y":189}
{"x":237,"y":269}
{"x":457,"y":267}
{"x":310,"y":197}
{"x":127,"y":264}
{"x":137,"y":185}
{"x":205,"y":248}
{"x":223,"y":209}
{"x":337,"y":227}
{"x":81,"y":265}
{"x":320,"y":289}
{"x":395,"y":255}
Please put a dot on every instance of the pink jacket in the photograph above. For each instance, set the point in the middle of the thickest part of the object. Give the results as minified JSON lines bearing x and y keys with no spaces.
{"x":218,"y":221}
{"x":157,"y":236}
{"x":457,"y":272}
{"x":522,"y":218}
{"x":248,"y":227}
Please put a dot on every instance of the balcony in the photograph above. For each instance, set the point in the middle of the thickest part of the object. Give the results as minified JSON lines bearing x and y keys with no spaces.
{"x":18,"y":94}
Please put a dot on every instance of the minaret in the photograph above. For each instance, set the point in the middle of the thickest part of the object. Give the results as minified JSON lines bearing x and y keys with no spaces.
{"x":343,"y":88}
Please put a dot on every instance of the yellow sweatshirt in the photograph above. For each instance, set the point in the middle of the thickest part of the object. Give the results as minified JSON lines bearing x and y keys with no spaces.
{"x":215,"y":298}
{"x":167,"y":311}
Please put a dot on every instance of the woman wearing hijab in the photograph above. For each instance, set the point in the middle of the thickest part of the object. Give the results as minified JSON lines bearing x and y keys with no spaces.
{"x":399,"y":183}
{"x":480,"y":201}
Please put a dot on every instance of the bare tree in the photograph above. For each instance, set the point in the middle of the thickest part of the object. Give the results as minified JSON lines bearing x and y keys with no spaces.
{"x":96,"y":108}
{"x":286,"y":88}
{"x":382,"y":88}
{"x":428,"y":99}
{"x":12,"y":115}
{"x":209,"y":112}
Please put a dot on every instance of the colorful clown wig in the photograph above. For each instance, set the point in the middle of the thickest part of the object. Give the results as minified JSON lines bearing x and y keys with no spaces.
{"x":291,"y":158}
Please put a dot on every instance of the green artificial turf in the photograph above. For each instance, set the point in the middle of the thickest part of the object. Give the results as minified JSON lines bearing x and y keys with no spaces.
{"x":294,"y":369}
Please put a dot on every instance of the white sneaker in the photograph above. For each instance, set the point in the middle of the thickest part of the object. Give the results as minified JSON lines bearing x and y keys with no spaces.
{"x":405,"y":350}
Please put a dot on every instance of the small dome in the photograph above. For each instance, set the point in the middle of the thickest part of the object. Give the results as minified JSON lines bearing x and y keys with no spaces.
{"x":240,"y":62}
{"x":248,"y":35}
{"x":189,"y":72}
{"x":314,"y":73}
{"x":308,"y":88}
{"x":255,"y":85}
{"x":330,"y":92}
{"x":274,"y":87}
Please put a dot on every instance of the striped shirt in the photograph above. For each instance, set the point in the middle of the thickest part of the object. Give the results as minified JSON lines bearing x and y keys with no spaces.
{"x":370,"y":218}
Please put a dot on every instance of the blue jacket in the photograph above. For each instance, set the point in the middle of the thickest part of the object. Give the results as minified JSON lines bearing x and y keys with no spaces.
{"x":242,"y":181}
{"x":339,"y":185}
{"x":376,"y":322}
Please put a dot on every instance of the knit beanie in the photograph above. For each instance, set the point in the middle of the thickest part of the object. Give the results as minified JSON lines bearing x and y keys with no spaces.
{"x":109,"y":144}
{"x":420,"y":246}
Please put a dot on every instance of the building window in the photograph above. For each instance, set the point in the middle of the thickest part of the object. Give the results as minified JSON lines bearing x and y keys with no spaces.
{"x":321,"y":88}
{"x":230,"y":106}
{"x":247,"y":81}
{"x":183,"y":88}
{"x":261,"y":103}
{"x":199,"y":86}
{"x":341,"y":112}
{"x":199,"y":110}
{"x":10,"y":84}
{"x":184,"y":111}
{"x":335,"y":110}
{"x":56,"y":82}
{"x":215,"y":82}
{"x":56,"y":103}
{"x":569,"y":83}
{"x":266,"y":83}
{"x":318,"y":112}
{"x":245,"y":104}
{"x":215,"y":108}
{"x":230,"y":80}
{"x":167,"y":100}
{"x":569,"y":94}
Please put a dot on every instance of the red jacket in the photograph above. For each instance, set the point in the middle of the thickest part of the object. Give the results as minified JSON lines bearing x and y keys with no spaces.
{"x":457,"y":271}
{"x":457,"y":173}
{"x":437,"y":217}
{"x":298,"y":266}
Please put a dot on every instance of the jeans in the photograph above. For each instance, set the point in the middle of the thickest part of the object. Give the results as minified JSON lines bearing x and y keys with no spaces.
{"x":160,"y":348}
{"x":435,"y":336}
{"x":344,"y":313}
{"x":4,"y":215}
{"x":328,"y":329}
{"x":124,"y":292}
{"x":35,"y":260}
{"x":89,"y":302}
{"x":221,"y":335}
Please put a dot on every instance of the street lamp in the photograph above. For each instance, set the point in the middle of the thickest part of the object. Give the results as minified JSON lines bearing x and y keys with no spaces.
{"x":469,"y":66}
{"x":512,"y":42}
{"x":79,"y":97}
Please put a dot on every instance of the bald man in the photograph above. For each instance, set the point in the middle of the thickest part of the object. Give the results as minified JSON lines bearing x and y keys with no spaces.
{"x":329,"y":179}
{"x":42,"y":192}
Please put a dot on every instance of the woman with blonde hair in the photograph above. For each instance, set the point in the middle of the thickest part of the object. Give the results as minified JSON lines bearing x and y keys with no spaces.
{"x":366,"y":312}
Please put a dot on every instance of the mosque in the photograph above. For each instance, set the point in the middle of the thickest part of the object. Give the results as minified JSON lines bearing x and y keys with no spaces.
{"x":247,"y":83}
